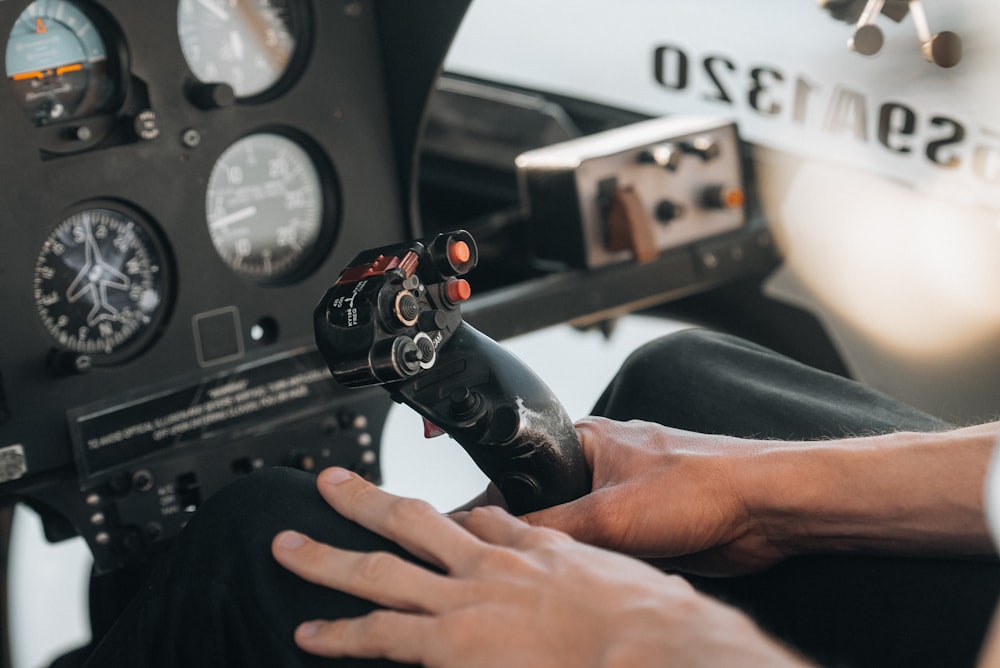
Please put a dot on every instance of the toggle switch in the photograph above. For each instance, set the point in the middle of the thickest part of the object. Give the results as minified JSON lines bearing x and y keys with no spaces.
{"x":630,"y":227}
{"x":705,"y":147}
{"x":667,"y":156}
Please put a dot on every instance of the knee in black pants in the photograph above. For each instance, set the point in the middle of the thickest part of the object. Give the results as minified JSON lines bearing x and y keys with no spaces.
{"x":220,"y":598}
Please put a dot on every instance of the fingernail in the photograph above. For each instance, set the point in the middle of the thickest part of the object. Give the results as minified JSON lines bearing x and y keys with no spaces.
{"x":290,"y":540}
{"x":307,"y":629}
{"x":335,"y":475}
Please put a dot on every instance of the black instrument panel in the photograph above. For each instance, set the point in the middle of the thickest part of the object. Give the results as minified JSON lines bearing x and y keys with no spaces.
{"x":170,"y":218}
{"x":180,"y":183}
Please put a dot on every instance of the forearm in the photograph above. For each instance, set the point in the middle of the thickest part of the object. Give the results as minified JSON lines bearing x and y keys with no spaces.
{"x":903,"y":493}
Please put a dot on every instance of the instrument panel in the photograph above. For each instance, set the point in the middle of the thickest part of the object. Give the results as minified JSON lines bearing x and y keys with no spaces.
{"x":181,"y":181}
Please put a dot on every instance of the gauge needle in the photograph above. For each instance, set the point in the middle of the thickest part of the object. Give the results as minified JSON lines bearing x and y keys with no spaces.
{"x":219,"y":12}
{"x":275,"y":52}
{"x":235,"y":217}
{"x":237,"y":43}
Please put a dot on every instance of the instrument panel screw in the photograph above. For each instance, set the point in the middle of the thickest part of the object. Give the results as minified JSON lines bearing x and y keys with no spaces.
{"x":191,"y":138}
{"x":143,"y":480}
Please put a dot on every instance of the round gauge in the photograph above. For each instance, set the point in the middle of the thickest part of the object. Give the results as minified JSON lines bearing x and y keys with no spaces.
{"x":247,"y":44}
{"x":265,"y":208}
{"x":100,"y":283}
{"x":57,"y":62}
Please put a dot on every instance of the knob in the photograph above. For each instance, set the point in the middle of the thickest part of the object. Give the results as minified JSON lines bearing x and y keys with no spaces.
{"x":212,"y":95}
{"x":406,"y":355}
{"x":464,"y":403}
{"x":944,"y":49}
{"x":867,"y":40}
{"x":303,"y":461}
{"x":723,"y":197}
{"x":666,"y":211}
{"x":406,"y":308}
{"x":432,"y":320}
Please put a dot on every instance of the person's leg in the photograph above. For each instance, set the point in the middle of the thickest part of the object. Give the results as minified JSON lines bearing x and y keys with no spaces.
{"x":220,"y":599}
{"x":857,"y":611}
{"x":714,"y":383}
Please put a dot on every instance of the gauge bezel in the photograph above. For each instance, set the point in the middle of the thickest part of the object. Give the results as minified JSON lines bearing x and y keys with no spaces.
{"x":330,"y":208}
{"x":140,"y":342}
{"x":117,"y":59}
{"x":300,"y":25}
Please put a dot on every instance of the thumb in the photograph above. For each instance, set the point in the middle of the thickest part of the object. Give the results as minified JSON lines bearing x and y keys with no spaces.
{"x":490,"y":496}
{"x":578,"y":518}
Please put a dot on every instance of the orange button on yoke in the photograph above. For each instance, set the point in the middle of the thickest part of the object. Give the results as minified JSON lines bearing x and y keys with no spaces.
{"x":459,"y":252}
{"x":458,"y":290}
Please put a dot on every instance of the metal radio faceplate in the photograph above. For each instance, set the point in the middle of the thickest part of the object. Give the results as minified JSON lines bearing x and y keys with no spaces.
{"x":632,"y":192}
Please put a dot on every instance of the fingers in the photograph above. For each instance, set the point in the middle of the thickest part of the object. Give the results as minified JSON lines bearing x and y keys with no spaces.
{"x":386,"y":634}
{"x":490,"y":496}
{"x":497,"y":527}
{"x":380,"y":577}
{"x":413,"y":524}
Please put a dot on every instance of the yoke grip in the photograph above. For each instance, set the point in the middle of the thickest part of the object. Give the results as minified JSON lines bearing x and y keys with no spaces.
{"x":393,"y":319}
{"x":505,"y":417}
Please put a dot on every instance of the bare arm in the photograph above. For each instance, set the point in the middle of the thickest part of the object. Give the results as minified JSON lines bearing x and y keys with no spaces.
{"x":903,"y":493}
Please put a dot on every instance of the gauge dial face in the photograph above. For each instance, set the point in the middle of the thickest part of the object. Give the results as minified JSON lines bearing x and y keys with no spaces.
{"x":100,"y":283}
{"x":57,"y":62}
{"x":247,"y":44}
{"x":264,"y":207}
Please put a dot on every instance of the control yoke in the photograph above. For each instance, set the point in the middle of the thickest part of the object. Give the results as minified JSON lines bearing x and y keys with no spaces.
{"x":393,"y":319}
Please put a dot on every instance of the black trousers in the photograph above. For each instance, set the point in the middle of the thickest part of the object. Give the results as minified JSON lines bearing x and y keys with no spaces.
{"x":219,"y":599}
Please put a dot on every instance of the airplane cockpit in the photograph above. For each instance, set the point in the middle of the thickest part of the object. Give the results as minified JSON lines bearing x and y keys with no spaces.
{"x":181,"y":182}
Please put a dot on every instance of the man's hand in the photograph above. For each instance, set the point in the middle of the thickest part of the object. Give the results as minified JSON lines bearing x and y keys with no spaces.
{"x":664,"y":493}
{"x":506,"y":594}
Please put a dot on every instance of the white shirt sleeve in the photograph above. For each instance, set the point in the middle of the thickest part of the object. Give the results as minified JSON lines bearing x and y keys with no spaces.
{"x":992,"y":492}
